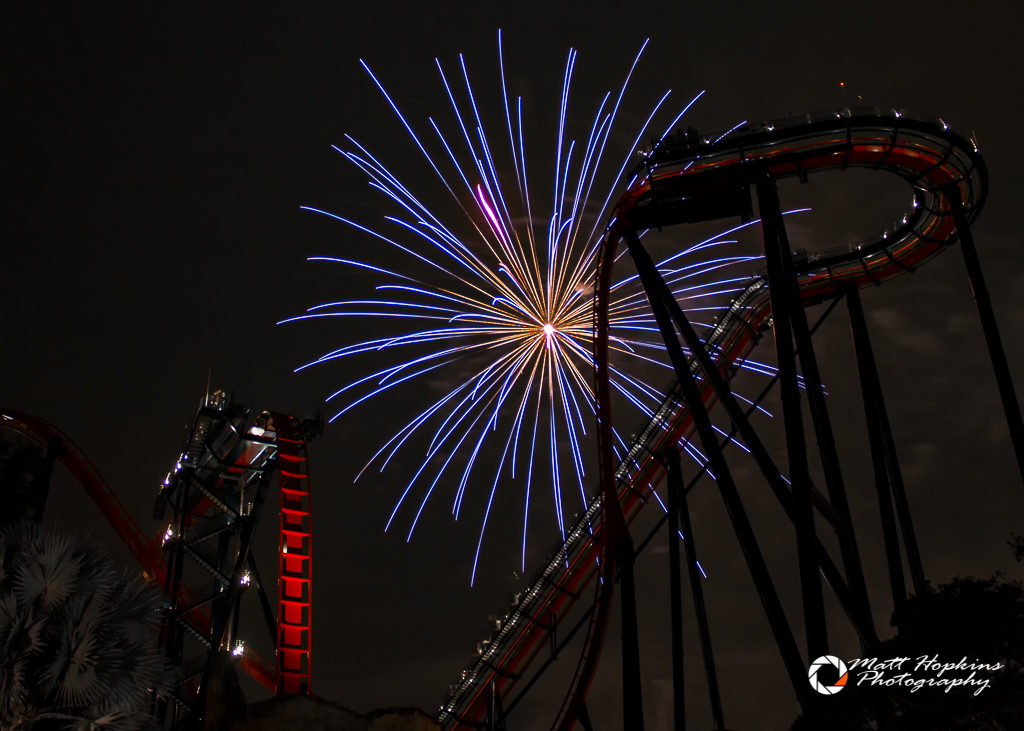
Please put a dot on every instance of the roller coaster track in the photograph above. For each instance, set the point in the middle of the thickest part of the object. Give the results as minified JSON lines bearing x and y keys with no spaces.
{"x":291,"y":674}
{"x":146,"y":551}
{"x":686,"y":180}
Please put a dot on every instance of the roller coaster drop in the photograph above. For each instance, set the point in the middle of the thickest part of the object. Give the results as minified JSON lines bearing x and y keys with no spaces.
{"x":216,"y":490}
{"x":685,"y":180}
{"x":219,"y":483}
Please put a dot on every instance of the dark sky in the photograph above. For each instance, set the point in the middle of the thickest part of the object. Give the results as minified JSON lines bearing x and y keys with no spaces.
{"x":154,"y":162}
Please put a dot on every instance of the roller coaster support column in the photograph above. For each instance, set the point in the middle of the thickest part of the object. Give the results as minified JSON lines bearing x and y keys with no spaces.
{"x":827,"y":450}
{"x":763,"y":458}
{"x":261,"y":594}
{"x":172,"y":633}
{"x":675,"y":588}
{"x":830,"y":465}
{"x":988,"y":325}
{"x":632,"y":687}
{"x":888,"y":478}
{"x":677,"y":502}
{"x":224,"y":624}
{"x":781,"y":283}
{"x":658,"y":294}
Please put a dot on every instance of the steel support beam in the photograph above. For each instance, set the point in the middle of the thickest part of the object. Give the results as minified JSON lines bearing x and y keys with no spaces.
{"x":266,"y":609}
{"x":675,"y":489}
{"x":888,"y":478}
{"x":862,"y":624}
{"x":830,"y":463}
{"x":241,"y":560}
{"x":227,"y":605}
{"x":1011,"y":407}
{"x":781,"y":286}
{"x":899,"y":494}
{"x":655,"y":288}
{"x":632,"y":686}
{"x":678,"y":506}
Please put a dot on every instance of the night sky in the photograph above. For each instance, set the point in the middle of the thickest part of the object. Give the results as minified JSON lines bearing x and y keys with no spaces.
{"x":154,"y":163}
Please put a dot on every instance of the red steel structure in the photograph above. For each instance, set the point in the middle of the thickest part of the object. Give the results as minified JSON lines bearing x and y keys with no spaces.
{"x":687,"y":179}
{"x":295,"y":552}
{"x":281,"y":448}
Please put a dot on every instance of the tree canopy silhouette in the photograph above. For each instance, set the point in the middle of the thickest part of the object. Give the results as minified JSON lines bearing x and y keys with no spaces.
{"x":981,"y":620}
{"x":78,"y":638}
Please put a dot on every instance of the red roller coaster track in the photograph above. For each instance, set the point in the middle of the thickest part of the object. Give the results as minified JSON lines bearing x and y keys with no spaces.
{"x":687,"y":181}
{"x":291,"y":674}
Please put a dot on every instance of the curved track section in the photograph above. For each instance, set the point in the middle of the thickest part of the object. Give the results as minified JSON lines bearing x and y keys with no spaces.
{"x":148,"y":552}
{"x":682,"y":181}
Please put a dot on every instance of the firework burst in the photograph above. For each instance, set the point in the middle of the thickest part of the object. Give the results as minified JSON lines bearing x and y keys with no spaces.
{"x":505,"y":298}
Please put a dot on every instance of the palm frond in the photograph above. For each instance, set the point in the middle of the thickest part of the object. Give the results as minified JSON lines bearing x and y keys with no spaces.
{"x":78,"y":638}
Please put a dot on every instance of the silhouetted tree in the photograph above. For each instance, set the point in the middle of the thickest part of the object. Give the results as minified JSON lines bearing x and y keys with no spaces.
{"x":981,"y":620}
{"x":78,"y":639}
{"x":1016,"y":544}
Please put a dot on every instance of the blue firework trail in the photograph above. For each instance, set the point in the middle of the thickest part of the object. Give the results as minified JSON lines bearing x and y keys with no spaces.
{"x":507,"y":299}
